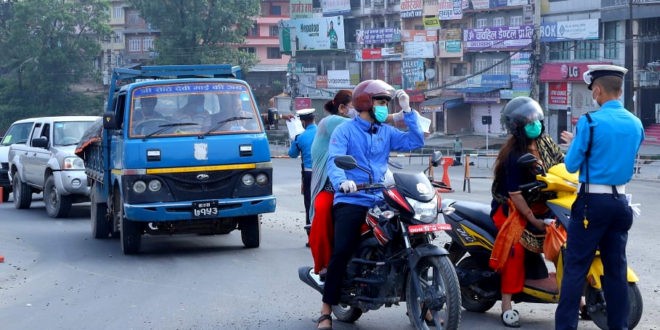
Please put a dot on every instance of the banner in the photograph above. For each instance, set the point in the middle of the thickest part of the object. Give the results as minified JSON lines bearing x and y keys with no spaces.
{"x":498,"y":37}
{"x":378,"y":36}
{"x":301,"y":9}
{"x":419,"y":35}
{"x":339,"y":79}
{"x":450,"y":9}
{"x":371,"y":54}
{"x":412,"y":71}
{"x":582,"y":29}
{"x":558,"y":95}
{"x":411,"y":8}
{"x":335,"y":7}
{"x":318,"y":33}
{"x":431,"y":22}
{"x":422,"y":49}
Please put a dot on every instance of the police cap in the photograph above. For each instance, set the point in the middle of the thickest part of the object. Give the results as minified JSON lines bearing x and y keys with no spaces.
{"x":305,"y":114}
{"x":601,"y":70}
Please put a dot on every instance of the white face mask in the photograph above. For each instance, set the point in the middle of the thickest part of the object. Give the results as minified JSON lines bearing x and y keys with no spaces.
{"x":352,"y":113}
{"x":595,"y":103}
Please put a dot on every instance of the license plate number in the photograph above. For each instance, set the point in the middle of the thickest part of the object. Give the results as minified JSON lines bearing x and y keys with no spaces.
{"x":416,"y":229}
{"x":207,"y":209}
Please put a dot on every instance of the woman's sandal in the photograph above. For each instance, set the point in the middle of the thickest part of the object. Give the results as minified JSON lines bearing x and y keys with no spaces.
{"x":324,"y":317}
{"x":511,"y":318}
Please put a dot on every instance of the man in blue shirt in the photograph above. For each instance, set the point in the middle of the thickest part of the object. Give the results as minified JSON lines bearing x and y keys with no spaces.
{"x":604,"y":148}
{"x":302,"y":145}
{"x":369,"y":142}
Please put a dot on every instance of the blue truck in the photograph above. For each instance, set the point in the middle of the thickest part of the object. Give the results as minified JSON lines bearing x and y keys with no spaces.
{"x":182,"y":149}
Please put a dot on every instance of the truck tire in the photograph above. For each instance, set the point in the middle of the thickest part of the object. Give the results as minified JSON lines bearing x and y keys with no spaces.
{"x":130,"y":232}
{"x":250,"y":231}
{"x":101,"y":225}
{"x":57,"y":205}
{"x":22,"y":193}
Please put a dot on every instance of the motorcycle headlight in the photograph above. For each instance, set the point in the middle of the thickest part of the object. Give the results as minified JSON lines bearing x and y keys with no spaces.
{"x":425,"y":212}
{"x":73,"y":163}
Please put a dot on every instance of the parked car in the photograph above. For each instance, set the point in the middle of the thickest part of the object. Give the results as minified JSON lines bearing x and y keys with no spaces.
{"x":47,"y":163}
{"x":17,"y":133}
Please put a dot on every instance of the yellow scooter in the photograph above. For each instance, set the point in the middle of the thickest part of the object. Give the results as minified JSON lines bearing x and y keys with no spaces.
{"x":473,"y":235}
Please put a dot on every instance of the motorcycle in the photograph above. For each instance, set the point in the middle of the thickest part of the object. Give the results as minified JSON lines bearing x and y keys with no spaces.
{"x":395,"y":260}
{"x":473,"y":235}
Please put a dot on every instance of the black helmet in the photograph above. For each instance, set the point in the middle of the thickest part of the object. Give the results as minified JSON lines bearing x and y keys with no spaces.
{"x":519,"y":112}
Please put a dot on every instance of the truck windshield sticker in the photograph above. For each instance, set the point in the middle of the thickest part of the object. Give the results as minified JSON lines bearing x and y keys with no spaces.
{"x":201,"y":151}
{"x":188,"y":88}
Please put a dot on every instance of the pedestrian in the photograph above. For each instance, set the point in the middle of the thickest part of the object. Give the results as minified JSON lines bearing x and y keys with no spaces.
{"x":370,"y":142}
{"x":523,"y":118}
{"x":302,"y":146}
{"x":603,"y":149}
{"x":458,"y":151}
{"x":272,"y":114}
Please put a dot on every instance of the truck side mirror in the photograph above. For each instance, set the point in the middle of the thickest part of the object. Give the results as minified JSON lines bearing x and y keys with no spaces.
{"x":110,"y":121}
{"x":40,"y":142}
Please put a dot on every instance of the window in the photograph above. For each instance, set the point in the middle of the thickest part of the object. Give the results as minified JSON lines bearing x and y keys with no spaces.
{"x":250,"y":50}
{"x":611,"y":30}
{"x":515,"y":20}
{"x":148,"y":44}
{"x":274,"y":30}
{"x":117,"y":12}
{"x":560,"y":50}
{"x":134,"y":45}
{"x":276,"y":10}
{"x":498,"y":21}
{"x":273,"y":53}
{"x":458,"y":69}
{"x":586,"y":49}
{"x":480,"y":64}
{"x":482,"y":22}
{"x":253,"y":31}
{"x":134,"y":18}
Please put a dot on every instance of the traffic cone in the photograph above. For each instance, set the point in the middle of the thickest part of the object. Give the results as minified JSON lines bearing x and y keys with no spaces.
{"x":2,"y":259}
{"x":2,"y":194}
{"x":445,"y":185}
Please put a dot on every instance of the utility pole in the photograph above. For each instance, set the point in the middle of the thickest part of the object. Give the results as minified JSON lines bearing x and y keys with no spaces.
{"x":628,"y":82}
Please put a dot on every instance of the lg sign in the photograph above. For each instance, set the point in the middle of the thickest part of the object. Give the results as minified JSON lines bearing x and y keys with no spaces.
{"x":570,"y":71}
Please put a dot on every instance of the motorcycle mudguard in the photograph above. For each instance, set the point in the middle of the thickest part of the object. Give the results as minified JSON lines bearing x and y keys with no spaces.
{"x":596,"y":272}
{"x":425,"y":250}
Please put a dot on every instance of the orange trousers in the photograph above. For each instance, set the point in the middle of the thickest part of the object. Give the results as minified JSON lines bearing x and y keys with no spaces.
{"x":321,"y":234}
{"x":513,"y":272}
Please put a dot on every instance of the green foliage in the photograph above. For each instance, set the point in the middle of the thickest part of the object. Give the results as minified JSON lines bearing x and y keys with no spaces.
{"x":49,"y":45}
{"x":200,"y":31}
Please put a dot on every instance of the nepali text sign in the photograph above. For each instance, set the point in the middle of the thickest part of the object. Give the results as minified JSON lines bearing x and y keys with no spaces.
{"x":378,"y":36}
{"x":419,"y":35}
{"x":335,"y":7}
{"x":450,"y":9}
{"x":431,"y":22}
{"x":302,"y":103}
{"x":301,"y":8}
{"x":319,"y":33}
{"x":371,"y":54}
{"x":421,"y":49}
{"x":582,"y":29}
{"x":498,"y":37}
{"x":411,"y":8}
{"x":480,"y":4}
{"x":558,"y":95}
{"x":339,"y":79}
{"x":412,"y":71}
{"x":450,"y":48}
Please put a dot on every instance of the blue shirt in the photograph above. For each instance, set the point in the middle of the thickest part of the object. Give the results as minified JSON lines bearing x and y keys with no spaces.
{"x":617,"y":135}
{"x":371,"y":150}
{"x":303,"y":145}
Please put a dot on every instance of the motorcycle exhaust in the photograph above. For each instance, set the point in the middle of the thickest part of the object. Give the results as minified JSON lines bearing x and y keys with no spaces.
{"x":307,"y":275}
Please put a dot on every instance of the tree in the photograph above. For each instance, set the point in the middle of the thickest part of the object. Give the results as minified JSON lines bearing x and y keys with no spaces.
{"x":48,"y":45}
{"x":200,"y":31}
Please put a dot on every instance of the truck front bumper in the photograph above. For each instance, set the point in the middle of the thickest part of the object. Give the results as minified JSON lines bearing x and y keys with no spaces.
{"x":172,"y":211}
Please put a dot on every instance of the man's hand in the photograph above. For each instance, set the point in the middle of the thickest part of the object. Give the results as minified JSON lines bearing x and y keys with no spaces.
{"x":567,"y":137}
{"x":404,"y":100}
{"x":348,"y":186}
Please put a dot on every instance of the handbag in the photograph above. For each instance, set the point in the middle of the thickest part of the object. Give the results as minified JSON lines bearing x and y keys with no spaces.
{"x":555,"y":237}
{"x":531,"y":241}
{"x":510,"y":233}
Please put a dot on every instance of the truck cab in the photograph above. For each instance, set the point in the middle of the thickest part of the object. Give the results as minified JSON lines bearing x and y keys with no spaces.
{"x":183,"y":150}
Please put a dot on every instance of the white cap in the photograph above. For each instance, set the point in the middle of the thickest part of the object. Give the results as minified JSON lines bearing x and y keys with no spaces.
{"x":601,"y":70}
{"x":305,"y":112}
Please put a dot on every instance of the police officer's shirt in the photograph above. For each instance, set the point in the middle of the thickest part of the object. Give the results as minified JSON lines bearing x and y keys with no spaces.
{"x":303,"y":145}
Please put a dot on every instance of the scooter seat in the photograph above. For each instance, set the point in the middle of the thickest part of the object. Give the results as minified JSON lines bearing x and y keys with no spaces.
{"x":478,"y":213}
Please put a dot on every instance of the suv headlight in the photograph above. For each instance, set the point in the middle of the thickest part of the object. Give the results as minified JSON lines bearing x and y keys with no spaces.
{"x":73,"y":163}
{"x":425,"y":212}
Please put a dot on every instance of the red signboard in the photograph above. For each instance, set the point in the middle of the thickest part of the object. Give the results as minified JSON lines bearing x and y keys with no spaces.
{"x":558,"y":93}
{"x":564,"y":71}
{"x":371,"y":54}
{"x":321,"y":81}
{"x":302,"y":103}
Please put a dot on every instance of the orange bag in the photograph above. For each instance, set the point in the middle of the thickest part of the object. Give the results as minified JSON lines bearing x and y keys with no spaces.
{"x":508,"y":235}
{"x":555,"y":237}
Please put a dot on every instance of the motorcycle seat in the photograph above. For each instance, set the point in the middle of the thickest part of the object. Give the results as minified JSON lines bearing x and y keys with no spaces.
{"x":478,"y":213}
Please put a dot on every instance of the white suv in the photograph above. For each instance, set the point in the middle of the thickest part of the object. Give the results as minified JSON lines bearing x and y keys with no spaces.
{"x":47,"y":162}
{"x":17,"y":133}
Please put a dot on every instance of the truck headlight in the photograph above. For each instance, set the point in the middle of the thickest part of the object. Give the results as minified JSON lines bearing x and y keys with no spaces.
{"x":154,"y":185}
{"x":247,"y":179}
{"x":73,"y":163}
{"x":262,"y":179}
{"x":139,"y":186}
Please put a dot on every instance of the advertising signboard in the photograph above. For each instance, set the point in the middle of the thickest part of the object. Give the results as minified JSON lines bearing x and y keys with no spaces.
{"x":318,"y":33}
{"x":498,"y":37}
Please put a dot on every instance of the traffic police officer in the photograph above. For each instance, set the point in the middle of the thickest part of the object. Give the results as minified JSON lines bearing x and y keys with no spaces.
{"x":302,"y":145}
{"x":604,"y":148}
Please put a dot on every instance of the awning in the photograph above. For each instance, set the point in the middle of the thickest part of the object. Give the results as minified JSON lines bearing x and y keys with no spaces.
{"x":477,"y":89}
{"x":449,"y":102}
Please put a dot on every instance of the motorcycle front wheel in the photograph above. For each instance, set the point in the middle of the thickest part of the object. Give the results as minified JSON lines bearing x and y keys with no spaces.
{"x":440,"y":294}
{"x":597,"y":311}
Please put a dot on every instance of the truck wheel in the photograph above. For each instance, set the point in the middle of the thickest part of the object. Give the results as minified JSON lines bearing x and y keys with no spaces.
{"x":250,"y":231}
{"x":130,"y":232}
{"x":57,"y":206}
{"x":101,"y":225}
{"x":22,"y":193}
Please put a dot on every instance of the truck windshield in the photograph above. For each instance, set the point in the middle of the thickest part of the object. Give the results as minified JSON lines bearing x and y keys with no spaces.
{"x":68,"y":133}
{"x":206,"y":108}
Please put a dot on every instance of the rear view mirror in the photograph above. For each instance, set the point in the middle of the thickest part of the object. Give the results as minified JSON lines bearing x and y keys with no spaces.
{"x":346,"y":162}
{"x":40,"y":142}
{"x":527,"y":160}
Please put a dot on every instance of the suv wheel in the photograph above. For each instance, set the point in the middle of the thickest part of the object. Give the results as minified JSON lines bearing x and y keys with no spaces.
{"x":57,"y":206}
{"x":22,"y":193}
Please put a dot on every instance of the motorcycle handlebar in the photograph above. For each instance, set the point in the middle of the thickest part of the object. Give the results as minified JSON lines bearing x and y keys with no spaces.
{"x":367,"y":186}
{"x":532,"y":186}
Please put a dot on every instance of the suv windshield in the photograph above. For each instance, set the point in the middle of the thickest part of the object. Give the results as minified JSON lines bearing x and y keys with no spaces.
{"x":17,"y":133}
{"x":68,"y":133}
{"x":193,"y":109}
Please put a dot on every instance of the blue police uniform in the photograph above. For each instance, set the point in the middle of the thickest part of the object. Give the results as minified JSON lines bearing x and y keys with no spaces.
{"x":302,"y":145}
{"x":600,"y":216}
